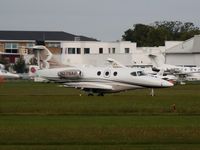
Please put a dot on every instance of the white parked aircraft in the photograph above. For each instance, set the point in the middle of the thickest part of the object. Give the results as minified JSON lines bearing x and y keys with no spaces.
{"x":148,"y":71}
{"x":182,"y":73}
{"x":171,"y":78}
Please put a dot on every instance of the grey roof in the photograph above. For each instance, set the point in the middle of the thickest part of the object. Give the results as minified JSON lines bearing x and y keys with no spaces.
{"x":42,"y":35}
{"x":189,"y":46}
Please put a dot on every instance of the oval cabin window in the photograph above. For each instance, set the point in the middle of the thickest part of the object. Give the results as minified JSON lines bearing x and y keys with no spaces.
{"x":107,"y":73}
{"x":115,"y":73}
{"x":99,"y":73}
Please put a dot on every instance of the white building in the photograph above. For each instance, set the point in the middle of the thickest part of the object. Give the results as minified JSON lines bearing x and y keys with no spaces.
{"x":96,"y":53}
{"x":127,"y":53}
{"x":185,"y":53}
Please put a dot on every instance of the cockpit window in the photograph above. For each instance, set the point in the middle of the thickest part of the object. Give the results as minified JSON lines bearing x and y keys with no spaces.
{"x":3,"y":71}
{"x":133,"y":73}
{"x":140,"y":73}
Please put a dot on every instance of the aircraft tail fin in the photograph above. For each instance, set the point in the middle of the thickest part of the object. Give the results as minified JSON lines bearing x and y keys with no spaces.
{"x":32,"y":70}
{"x":45,"y":58}
{"x":156,"y":62}
{"x":161,"y":72}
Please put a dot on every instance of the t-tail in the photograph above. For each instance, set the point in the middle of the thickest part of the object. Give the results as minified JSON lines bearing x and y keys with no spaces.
{"x":45,"y":58}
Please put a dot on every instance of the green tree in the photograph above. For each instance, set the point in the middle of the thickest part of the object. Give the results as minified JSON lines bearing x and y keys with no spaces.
{"x":138,"y":34}
{"x":5,"y":62}
{"x":20,"y":66}
{"x":157,"y":33}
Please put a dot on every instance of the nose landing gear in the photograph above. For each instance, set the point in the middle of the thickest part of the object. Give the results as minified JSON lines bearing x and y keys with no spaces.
{"x":99,"y":94}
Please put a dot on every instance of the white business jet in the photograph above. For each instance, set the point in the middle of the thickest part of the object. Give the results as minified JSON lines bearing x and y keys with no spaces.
{"x":7,"y":75}
{"x":98,"y":80}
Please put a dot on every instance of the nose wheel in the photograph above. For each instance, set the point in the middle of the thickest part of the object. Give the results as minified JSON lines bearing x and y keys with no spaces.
{"x":152,"y":92}
{"x":90,"y":94}
{"x":100,"y":94}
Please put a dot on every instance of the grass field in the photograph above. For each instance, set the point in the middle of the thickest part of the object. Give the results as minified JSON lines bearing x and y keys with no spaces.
{"x":46,"y":116}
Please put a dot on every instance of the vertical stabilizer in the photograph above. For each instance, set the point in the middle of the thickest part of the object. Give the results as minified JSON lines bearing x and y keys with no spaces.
{"x":161,"y":72}
{"x":43,"y":56}
{"x":155,"y":60}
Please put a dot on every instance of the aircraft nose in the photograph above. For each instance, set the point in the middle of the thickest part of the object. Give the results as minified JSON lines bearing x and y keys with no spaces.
{"x":167,"y":84}
{"x":15,"y":76}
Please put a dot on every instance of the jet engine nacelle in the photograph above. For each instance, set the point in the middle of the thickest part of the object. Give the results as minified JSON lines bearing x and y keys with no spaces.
{"x":70,"y":74}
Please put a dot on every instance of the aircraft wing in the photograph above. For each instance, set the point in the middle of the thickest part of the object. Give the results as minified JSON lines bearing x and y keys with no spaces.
{"x":114,"y":63}
{"x":89,"y":85}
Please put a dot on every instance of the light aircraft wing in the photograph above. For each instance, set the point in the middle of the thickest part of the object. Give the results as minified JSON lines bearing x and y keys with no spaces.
{"x":187,"y":73}
{"x":89,"y":85}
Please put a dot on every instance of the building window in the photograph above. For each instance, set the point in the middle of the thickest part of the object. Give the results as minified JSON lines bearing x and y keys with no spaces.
{"x":127,"y":50}
{"x":100,"y":50}
{"x":71,"y":50}
{"x":86,"y":50}
{"x":113,"y":50}
{"x":109,"y":50}
{"x":78,"y":50}
{"x":11,"y":47}
{"x":30,"y":45}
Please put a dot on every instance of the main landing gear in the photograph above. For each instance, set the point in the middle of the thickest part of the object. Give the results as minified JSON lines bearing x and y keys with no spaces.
{"x":99,"y":94}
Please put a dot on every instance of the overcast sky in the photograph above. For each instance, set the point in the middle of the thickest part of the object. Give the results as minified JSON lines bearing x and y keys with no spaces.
{"x":104,"y":20}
